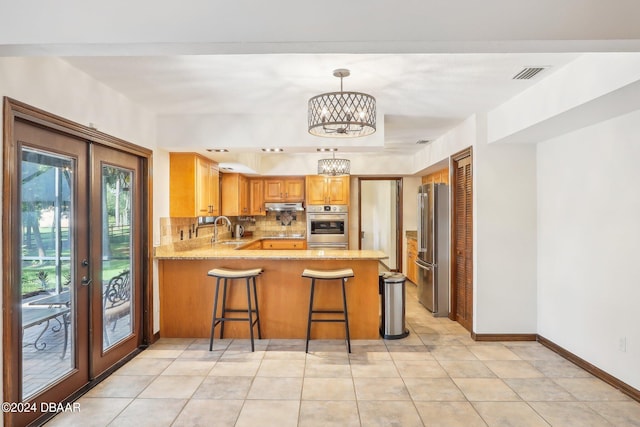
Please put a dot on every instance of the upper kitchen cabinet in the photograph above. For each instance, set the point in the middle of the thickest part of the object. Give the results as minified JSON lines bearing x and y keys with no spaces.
{"x":193,"y":186}
{"x":235,"y":194}
{"x":256,"y":197}
{"x":327,"y":190}
{"x":437,"y":177}
{"x":289,"y":189}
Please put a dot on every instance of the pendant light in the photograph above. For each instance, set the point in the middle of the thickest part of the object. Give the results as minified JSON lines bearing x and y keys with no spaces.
{"x":342,"y":114}
{"x":333,"y":166}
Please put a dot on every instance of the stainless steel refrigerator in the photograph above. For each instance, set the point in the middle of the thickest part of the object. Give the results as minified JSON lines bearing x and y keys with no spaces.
{"x":433,"y":248}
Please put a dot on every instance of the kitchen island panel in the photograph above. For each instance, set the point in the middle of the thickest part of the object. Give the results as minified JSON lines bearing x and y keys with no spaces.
{"x":186,"y":298}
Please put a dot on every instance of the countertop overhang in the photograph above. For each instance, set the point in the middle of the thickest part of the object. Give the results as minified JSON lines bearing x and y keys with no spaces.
{"x":224,"y":250}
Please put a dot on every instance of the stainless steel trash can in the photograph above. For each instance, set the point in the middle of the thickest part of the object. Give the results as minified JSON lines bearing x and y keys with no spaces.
{"x":392,"y":319}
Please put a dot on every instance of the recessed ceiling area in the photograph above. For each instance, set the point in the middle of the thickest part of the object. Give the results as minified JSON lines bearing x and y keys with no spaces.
{"x":248,"y":102}
{"x":238,"y":75}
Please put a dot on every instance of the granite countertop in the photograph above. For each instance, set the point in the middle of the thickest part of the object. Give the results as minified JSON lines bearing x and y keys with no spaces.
{"x":231,"y":249}
{"x":292,"y":236}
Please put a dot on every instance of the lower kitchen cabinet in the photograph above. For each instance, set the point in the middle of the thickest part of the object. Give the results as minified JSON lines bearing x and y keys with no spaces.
{"x":412,"y":254}
{"x":254,"y":245}
{"x":284,"y":244}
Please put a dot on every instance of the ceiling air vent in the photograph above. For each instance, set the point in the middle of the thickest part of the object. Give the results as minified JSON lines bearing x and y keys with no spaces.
{"x":528,"y":73}
{"x":423,"y":141}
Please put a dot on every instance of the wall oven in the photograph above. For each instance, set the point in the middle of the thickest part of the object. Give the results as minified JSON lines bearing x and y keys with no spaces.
{"x":327,"y":227}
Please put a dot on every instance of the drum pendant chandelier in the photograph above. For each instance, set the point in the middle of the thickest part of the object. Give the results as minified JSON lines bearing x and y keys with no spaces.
{"x":342,"y":114}
{"x":333,"y":166}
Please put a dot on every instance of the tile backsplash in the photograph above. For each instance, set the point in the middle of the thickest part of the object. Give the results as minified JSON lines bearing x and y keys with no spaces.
{"x":174,"y":230}
{"x":276,"y":223}
{"x":184,"y":230}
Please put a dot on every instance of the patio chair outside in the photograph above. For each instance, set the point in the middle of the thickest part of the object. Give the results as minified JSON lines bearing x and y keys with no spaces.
{"x":116,"y":302}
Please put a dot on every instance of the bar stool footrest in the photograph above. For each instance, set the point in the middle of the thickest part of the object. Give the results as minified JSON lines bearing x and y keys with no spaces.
{"x":227,"y":275}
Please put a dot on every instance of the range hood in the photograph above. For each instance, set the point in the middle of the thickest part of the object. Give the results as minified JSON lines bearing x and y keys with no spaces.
{"x":280,"y":207}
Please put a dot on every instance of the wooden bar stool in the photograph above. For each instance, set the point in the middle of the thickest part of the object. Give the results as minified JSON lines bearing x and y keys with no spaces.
{"x":226,"y":274}
{"x":342,"y":275}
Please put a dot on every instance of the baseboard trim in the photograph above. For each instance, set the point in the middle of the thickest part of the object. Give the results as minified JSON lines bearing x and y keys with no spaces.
{"x":503,"y":337}
{"x":155,"y":337}
{"x":593,"y":370}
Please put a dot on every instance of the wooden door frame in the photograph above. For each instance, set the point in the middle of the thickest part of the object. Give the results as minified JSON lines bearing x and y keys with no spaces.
{"x":13,"y":110}
{"x":453,"y":163}
{"x":399,"y":213}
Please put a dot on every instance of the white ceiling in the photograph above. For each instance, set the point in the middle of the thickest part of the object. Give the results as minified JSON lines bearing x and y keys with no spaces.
{"x":419,"y":96}
{"x":233,"y":66}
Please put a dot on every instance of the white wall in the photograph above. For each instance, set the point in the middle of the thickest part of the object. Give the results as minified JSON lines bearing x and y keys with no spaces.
{"x":504,"y":196}
{"x":574,"y":96}
{"x":589,"y":244}
{"x":457,"y":139}
{"x":52,"y":85}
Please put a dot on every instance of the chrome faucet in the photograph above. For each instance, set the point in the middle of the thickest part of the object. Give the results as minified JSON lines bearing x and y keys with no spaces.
{"x":215,"y":227}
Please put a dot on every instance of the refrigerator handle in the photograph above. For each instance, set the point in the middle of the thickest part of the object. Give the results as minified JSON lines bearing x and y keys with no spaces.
{"x":422,"y":266}
{"x":420,"y":219}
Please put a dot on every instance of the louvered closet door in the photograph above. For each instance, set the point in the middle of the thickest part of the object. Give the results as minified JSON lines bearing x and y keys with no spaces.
{"x":463,"y":249}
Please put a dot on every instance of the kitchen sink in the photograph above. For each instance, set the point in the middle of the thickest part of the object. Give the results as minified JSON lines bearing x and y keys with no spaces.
{"x":231,"y":242}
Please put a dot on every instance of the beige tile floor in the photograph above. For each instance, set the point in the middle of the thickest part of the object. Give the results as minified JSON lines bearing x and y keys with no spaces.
{"x":437,"y":376}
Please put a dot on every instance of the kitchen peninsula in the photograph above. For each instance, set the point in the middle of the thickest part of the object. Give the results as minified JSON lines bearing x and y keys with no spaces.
{"x":186,"y":292}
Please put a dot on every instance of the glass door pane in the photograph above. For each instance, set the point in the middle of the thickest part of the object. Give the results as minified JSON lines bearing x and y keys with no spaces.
{"x":117,"y":265}
{"x":47,"y":233}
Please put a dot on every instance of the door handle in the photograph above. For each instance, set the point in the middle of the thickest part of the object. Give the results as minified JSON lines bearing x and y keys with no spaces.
{"x":85,"y":281}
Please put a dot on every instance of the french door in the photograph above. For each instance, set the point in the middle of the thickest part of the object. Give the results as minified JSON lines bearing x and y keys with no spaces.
{"x":73,"y":285}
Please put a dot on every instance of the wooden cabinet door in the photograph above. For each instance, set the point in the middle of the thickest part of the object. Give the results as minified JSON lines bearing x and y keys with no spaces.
{"x":438,"y":177}
{"x":230,"y":195}
{"x":235,"y":194}
{"x":338,"y":190}
{"x":444,"y":176}
{"x":207,"y":188}
{"x":284,"y":244}
{"x":321,"y":190}
{"x":256,"y":197}
{"x":273,"y":190}
{"x":193,"y":185}
{"x":244,"y":195}
{"x":214,"y":190}
{"x":203,"y":187}
{"x":284,"y":190}
{"x":254,"y":246}
{"x":294,"y":190}
{"x":182,"y":185}
{"x":315,"y":190}
{"x":412,"y":269}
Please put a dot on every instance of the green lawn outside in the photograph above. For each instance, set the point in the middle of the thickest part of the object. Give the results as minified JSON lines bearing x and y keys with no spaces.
{"x":40,"y":274}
